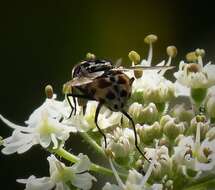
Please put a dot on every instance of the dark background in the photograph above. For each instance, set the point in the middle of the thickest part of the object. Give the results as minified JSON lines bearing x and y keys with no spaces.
{"x":40,"y":41}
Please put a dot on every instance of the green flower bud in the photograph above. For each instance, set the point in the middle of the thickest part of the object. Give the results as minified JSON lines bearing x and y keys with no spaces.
{"x":141,"y":114}
{"x":182,"y":114}
{"x":148,"y":133}
{"x":171,"y":127}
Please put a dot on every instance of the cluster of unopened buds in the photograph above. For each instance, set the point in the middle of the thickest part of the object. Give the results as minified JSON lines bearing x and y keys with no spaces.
{"x":175,"y":129}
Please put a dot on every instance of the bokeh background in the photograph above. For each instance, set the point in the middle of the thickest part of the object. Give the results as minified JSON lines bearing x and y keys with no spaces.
{"x":41,"y":40}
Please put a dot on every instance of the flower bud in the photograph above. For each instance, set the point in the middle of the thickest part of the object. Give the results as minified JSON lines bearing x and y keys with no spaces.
{"x":151,"y":38}
{"x":121,"y":143}
{"x":148,"y":133}
{"x":163,"y":92}
{"x":149,"y":114}
{"x":171,"y":127}
{"x":171,"y":51}
{"x":182,"y":114}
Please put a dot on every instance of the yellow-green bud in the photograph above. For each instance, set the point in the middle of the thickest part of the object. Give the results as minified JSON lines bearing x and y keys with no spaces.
{"x":141,"y":114}
{"x":151,"y":38}
{"x":182,"y":114}
{"x":90,"y":56}
{"x":191,"y":57}
{"x":171,"y":127}
{"x":171,"y":51}
{"x":134,"y":57}
{"x":148,"y":133}
{"x":210,"y":106}
{"x":49,"y":91}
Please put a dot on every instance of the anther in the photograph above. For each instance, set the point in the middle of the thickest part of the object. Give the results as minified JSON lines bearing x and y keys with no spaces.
{"x":200,"y":52}
{"x":134,"y":57}
{"x":191,"y":57}
{"x":151,"y":38}
{"x":171,"y":51}
{"x":49,"y":91}
{"x":90,"y":56}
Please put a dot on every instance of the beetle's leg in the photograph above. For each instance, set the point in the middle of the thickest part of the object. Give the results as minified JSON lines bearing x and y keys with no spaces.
{"x":135,"y":134}
{"x":96,"y":122}
{"x":75,"y":96}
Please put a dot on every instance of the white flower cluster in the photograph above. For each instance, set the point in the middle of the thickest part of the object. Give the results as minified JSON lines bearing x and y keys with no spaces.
{"x":175,"y":133}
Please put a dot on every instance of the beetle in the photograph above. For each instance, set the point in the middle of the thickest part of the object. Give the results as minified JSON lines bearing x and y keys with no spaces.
{"x":100,"y":80}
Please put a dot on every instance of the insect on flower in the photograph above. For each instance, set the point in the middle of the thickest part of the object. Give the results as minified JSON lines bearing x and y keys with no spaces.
{"x":100,"y":80}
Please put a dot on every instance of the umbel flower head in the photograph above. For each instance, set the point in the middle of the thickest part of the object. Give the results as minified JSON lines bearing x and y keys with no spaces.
{"x":175,"y":134}
{"x":195,"y":75}
{"x":152,"y":85}
{"x":43,"y":127}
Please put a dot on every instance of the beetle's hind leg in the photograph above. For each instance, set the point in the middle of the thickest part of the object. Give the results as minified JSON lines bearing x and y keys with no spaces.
{"x":96,"y":122}
{"x":74,"y":96}
{"x":135,"y":135}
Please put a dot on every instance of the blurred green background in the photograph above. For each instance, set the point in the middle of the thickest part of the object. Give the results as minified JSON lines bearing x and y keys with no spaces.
{"x":41,"y":40}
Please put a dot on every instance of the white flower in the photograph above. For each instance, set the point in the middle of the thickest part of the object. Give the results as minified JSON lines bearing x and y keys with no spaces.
{"x":148,"y":133}
{"x":141,"y":114}
{"x":162,"y":160}
{"x":121,"y":142}
{"x":195,"y":156}
{"x":194,"y":75}
{"x":83,"y":123}
{"x":154,"y":87}
{"x":43,"y":127}
{"x":135,"y":180}
{"x":61,"y":177}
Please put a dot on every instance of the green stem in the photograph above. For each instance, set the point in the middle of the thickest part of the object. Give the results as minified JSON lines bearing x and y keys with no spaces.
{"x":97,"y":148}
{"x":94,"y":167}
{"x":203,"y":185}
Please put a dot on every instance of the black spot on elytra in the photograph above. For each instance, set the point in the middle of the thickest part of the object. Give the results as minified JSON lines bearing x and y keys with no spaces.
{"x":115,"y":106}
{"x":116,"y":88}
{"x":121,"y":80}
{"x":123,"y":93}
{"x":103,"y":83}
{"x":112,"y":79}
{"x":110,"y":95}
